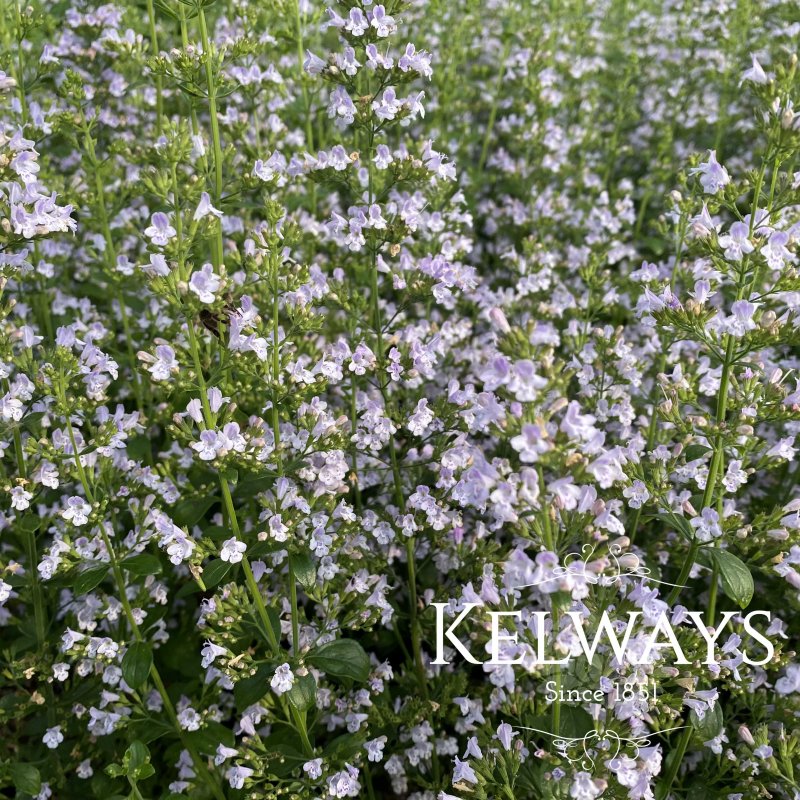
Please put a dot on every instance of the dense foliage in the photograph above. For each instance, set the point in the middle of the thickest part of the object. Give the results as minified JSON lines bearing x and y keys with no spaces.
{"x":312,"y":317}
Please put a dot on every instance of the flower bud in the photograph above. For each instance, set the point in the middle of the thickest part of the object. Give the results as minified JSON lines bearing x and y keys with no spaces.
{"x":498,"y":320}
{"x":629,"y":562}
{"x":746,"y":736}
{"x":621,"y":543}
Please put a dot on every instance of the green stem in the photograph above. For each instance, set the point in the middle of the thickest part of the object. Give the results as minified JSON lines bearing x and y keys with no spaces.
{"x":111,"y":263}
{"x":675,"y":763}
{"x":487,"y":137}
{"x":354,"y":446}
{"x":39,"y":617}
{"x":712,"y":593}
{"x":556,"y":720}
{"x":309,"y":128}
{"x":722,"y":404}
{"x":216,"y":144}
{"x":151,"y":13}
{"x":230,"y":510}
{"x":416,"y":644}
{"x":119,"y":579}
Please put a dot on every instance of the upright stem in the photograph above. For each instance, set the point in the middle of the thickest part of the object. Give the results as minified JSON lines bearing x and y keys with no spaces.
{"x":111,"y":263}
{"x":675,"y":763}
{"x":713,"y":472}
{"x":40,"y":622}
{"x":722,"y":404}
{"x":377,"y":323}
{"x":309,"y":128}
{"x":276,"y":433}
{"x":487,"y":137}
{"x":216,"y":143}
{"x":119,"y":579}
{"x":230,"y":510}
{"x":151,"y":13}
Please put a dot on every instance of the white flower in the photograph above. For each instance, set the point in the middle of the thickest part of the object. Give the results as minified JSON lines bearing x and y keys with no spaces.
{"x":204,"y":283}
{"x":204,"y":208}
{"x":160,"y":231}
{"x":637,"y":494}
{"x":237,"y":776}
{"x":737,"y":242}
{"x":189,"y":719}
{"x":755,"y":74}
{"x":313,"y":768}
{"x":210,"y":653}
{"x":422,"y":417}
{"x":707,"y":525}
{"x":584,"y":787}
{"x":232,"y":550}
{"x":374,"y":748}
{"x":735,"y":476}
{"x":224,"y":753}
{"x":283,"y":679}
{"x":20,"y":499}
{"x":713,"y":176}
{"x":77,"y":511}
{"x":53,"y":737}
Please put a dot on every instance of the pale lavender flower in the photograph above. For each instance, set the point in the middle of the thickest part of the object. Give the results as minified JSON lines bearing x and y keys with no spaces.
{"x":53,"y":737}
{"x":160,"y":232}
{"x":713,"y":176}
{"x":282,"y":680}
{"x":755,"y":74}
{"x":205,"y":208}
{"x":232,"y":550}
{"x":204,"y":283}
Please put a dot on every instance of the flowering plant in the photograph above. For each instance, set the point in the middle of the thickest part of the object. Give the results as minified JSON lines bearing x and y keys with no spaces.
{"x":399,"y":400}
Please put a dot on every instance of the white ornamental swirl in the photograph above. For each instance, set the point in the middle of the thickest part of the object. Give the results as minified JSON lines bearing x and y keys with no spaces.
{"x":575,"y":566}
{"x":587,"y":754}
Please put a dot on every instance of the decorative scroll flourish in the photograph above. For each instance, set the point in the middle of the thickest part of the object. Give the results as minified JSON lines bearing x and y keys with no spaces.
{"x":621,"y":565}
{"x":584,"y":750}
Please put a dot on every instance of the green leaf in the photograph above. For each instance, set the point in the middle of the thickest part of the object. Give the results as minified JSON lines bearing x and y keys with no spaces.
{"x":148,"y":730}
{"x":260,"y":549}
{"x":343,"y":658}
{"x":344,"y":747}
{"x":137,"y":755}
{"x":136,"y":664}
{"x":26,"y":778}
{"x":737,"y":582}
{"x":304,"y":568}
{"x":575,"y":722}
{"x":695,"y":451}
{"x":190,"y":512}
{"x":230,"y":474}
{"x":142,"y":565}
{"x":89,"y":579}
{"x":31,"y":421}
{"x":209,"y":736}
{"x":215,"y":571}
{"x":137,"y":762}
{"x":680,"y":524}
{"x":248,"y":691}
{"x":138,"y":447}
{"x":303,"y":694}
{"x":28,"y":524}
{"x":254,"y":484}
{"x":710,"y":725}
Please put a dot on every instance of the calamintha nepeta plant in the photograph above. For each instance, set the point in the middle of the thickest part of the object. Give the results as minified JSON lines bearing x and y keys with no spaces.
{"x":315,"y":315}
